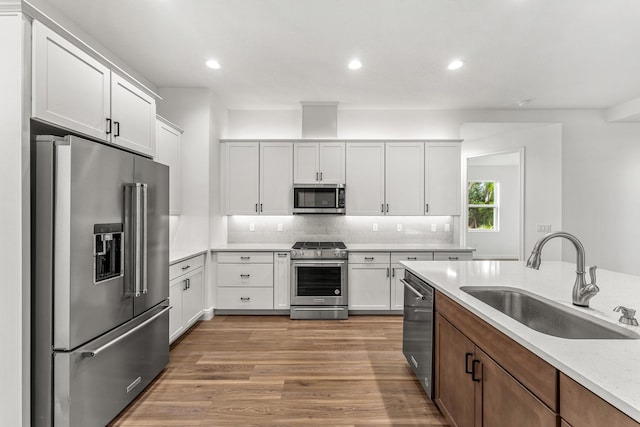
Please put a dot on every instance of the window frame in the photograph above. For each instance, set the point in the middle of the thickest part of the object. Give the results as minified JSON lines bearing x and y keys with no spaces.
{"x":495,"y":206}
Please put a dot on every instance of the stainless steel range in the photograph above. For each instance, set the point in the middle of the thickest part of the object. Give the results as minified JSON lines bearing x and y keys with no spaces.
{"x":319,"y":280}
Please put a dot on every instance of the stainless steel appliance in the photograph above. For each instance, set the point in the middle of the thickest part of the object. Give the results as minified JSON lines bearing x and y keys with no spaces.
{"x":318,"y":199}
{"x":418,"y":329}
{"x":100,"y":330}
{"x":319,"y":280}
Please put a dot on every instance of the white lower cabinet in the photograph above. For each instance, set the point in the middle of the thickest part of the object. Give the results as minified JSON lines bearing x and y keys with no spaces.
{"x":369,"y":281}
{"x":281,"y":280}
{"x":375,"y":277}
{"x":397,"y":274}
{"x":245,"y":281}
{"x":186,"y":294}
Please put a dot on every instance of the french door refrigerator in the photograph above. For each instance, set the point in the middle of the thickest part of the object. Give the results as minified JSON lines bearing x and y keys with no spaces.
{"x":100,"y":314}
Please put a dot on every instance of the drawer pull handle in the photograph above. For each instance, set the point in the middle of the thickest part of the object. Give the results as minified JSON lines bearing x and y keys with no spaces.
{"x":245,"y":275}
{"x":186,"y":267}
{"x":282,"y":255}
{"x":474,"y":370}
{"x":453,"y":258}
{"x":467,"y":369}
{"x":412,"y":258}
{"x":245,"y":257}
{"x":368,"y":258}
{"x":245,"y":298}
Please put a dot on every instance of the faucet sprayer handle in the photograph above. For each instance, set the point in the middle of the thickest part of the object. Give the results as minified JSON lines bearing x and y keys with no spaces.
{"x":592,"y":274}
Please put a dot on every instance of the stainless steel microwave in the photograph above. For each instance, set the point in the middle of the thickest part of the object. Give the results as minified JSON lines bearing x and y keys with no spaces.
{"x":318,"y":199}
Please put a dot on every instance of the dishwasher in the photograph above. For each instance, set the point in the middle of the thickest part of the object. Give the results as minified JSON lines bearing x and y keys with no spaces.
{"x":418,"y":329}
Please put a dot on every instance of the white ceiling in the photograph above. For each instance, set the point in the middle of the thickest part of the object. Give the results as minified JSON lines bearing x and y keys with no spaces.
{"x":560,"y":53}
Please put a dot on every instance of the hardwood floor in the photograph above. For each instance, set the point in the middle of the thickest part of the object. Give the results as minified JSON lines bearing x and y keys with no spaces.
{"x":272,"y":371}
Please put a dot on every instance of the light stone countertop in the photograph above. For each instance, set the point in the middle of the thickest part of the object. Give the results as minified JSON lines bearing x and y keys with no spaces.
{"x":407,"y":247}
{"x":609,"y":368}
{"x":252,"y":247}
{"x":178,"y":256}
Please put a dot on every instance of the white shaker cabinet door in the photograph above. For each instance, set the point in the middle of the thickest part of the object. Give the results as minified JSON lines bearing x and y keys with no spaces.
{"x":306,"y":163}
{"x":176,"y":324}
{"x":365,"y":178}
{"x":276,"y":178}
{"x":442,"y":179}
{"x":193,"y":297}
{"x":332,"y":162}
{"x":133,"y":113}
{"x":404,"y":178}
{"x":70,"y":88}
{"x":369,"y":287}
{"x":240,"y":177}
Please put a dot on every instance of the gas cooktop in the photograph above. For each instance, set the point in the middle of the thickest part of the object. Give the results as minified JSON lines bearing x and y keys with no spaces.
{"x":319,"y":250}
{"x":319,"y":245}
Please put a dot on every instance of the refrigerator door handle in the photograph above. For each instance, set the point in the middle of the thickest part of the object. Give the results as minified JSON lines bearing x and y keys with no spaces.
{"x":136,"y":228}
{"x":143,"y":258}
{"x":97,"y":351}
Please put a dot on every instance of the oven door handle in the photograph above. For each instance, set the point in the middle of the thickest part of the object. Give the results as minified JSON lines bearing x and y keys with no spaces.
{"x":319,"y":264}
{"x":412,"y":289}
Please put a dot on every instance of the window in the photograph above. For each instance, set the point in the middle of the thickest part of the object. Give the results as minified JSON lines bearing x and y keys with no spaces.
{"x":483,"y":205}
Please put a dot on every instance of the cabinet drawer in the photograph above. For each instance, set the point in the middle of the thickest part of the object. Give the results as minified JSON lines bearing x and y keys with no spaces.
{"x":453,"y":256}
{"x":411,"y":256}
{"x":245,"y":257}
{"x":245,"y":298}
{"x":369,"y":258}
{"x":260,"y":275}
{"x":186,"y":266}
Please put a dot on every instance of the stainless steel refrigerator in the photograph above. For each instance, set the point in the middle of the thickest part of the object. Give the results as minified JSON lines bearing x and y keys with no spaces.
{"x":100,"y":315}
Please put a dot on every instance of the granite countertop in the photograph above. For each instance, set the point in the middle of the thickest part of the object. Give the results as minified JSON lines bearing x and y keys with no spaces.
{"x":407,"y":247}
{"x":609,"y":368}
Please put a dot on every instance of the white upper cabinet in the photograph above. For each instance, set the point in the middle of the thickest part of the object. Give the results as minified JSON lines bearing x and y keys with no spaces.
{"x":404,"y":178}
{"x":73,"y":90}
{"x":70,"y":88}
{"x":365,"y":178}
{"x":133,"y":115}
{"x":276,"y":178}
{"x":385,"y":178}
{"x":319,"y":163}
{"x":442,"y":178}
{"x":241,"y":177}
{"x":168,"y":153}
{"x":257,"y":178}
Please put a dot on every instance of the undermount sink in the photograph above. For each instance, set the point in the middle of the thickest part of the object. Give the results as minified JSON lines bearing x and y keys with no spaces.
{"x":546,"y":316}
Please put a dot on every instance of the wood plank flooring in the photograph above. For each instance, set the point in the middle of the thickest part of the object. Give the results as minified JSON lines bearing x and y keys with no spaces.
{"x":273,"y":371}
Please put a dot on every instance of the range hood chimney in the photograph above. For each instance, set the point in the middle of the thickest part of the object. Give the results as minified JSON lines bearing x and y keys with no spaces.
{"x":319,"y":120}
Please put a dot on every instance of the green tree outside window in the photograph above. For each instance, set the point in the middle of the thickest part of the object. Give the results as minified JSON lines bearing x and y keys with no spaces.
{"x":482,"y":205}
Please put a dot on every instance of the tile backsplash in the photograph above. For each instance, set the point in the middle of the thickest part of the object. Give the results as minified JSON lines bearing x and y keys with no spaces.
{"x":349,"y":229}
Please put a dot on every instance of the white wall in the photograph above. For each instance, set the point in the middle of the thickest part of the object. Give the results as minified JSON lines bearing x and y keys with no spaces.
{"x":190,"y":109}
{"x":594,"y":197}
{"x":502,"y":242}
{"x":542,"y":172}
{"x":14,"y":221}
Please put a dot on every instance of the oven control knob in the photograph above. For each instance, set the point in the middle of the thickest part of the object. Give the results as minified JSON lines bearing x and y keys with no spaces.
{"x":294,"y":253}
{"x":337,"y":292}
{"x":343,"y":253}
{"x":319,"y":253}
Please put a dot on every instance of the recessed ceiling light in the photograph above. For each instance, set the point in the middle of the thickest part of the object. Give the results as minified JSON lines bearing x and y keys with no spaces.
{"x":355,"y":64}
{"x":212,"y":63}
{"x":455,"y":64}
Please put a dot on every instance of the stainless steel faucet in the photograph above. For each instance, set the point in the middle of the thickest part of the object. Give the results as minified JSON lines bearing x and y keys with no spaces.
{"x":582,"y":292}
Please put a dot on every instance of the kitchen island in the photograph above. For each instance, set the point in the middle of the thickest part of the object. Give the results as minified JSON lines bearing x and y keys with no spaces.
{"x":608,"y":368}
